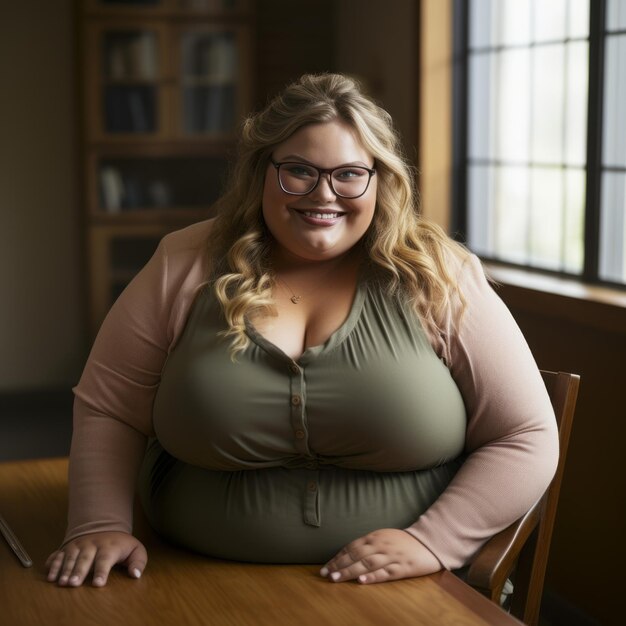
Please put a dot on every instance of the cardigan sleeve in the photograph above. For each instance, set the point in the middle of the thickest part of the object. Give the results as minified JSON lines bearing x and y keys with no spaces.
{"x":114,"y":397}
{"x":511,"y":438}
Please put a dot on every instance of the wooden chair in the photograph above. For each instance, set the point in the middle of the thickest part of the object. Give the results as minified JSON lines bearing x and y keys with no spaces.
{"x":524,"y":546}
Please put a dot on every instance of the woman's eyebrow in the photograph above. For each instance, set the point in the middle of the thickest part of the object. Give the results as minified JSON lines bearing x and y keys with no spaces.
{"x":300,"y":159}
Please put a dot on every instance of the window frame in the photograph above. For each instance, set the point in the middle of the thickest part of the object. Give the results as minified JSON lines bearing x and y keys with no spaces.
{"x":593,"y":167}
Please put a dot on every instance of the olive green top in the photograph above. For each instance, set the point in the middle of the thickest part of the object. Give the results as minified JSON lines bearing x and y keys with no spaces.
{"x":374,"y":397}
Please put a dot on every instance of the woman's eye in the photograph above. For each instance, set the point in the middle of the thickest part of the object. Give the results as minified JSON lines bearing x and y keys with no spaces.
{"x":301,"y":171}
{"x":349,"y":173}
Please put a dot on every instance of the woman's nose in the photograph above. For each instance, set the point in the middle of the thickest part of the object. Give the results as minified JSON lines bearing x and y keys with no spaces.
{"x":324,"y":190}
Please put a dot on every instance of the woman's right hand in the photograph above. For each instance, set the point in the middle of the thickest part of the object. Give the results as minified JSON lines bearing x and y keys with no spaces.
{"x":70,"y":564}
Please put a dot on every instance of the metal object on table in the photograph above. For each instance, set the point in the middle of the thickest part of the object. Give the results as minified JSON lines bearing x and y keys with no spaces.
{"x":14,"y":543}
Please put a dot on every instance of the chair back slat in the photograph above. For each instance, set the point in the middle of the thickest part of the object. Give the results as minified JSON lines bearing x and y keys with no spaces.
{"x":525,"y":544}
{"x":563,"y":391}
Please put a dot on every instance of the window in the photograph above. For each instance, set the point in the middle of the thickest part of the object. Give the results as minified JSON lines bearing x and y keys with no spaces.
{"x":540,"y":134}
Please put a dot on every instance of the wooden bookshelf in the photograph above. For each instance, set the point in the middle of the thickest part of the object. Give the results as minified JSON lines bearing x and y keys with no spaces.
{"x":164,"y":85}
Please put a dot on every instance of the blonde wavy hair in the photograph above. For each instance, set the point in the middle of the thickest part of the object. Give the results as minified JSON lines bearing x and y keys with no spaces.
{"x":408,"y":253}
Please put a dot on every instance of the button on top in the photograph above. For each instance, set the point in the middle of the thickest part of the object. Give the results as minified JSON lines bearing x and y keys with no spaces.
{"x":295,"y":400}
{"x":312,"y":486}
{"x":294,"y":368}
{"x":299,"y":434}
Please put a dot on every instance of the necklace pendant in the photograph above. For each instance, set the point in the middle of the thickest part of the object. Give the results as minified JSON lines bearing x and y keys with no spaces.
{"x":296,"y":299}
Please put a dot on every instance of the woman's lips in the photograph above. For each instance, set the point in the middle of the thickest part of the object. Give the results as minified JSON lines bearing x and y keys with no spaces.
{"x":319,"y":218}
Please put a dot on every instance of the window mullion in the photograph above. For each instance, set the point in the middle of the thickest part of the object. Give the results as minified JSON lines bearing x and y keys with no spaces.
{"x":597,"y":12}
{"x":460,"y":116}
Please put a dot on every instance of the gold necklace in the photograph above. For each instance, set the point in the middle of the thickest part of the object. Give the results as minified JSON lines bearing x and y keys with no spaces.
{"x":294,"y":298}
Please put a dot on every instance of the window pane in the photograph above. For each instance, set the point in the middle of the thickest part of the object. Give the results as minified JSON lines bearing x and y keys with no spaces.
{"x":577,"y":63}
{"x":511,"y":214}
{"x":548,"y":91}
{"x":513,"y":107}
{"x":546,"y":230}
{"x":513,"y":22}
{"x":499,"y":23}
{"x":480,"y":205}
{"x":480,"y":23}
{"x":613,"y":227}
{"x":528,"y":92}
{"x":480,"y":106}
{"x":574,"y":222}
{"x":578,"y":18}
{"x":616,"y":15}
{"x":549,"y":20}
{"x":614,"y":140}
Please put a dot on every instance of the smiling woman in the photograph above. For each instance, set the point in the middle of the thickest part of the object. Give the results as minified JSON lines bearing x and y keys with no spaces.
{"x":315,"y":222}
{"x":320,"y":374}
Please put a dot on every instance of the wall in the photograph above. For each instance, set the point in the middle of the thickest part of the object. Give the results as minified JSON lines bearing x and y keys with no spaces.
{"x":589,"y":546}
{"x":435,"y":128}
{"x":377,"y":42}
{"x":40,"y":310}
{"x":291,"y":43}
{"x":374,"y":41}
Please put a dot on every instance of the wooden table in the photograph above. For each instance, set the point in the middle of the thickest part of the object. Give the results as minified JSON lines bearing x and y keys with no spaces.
{"x":179,"y":587}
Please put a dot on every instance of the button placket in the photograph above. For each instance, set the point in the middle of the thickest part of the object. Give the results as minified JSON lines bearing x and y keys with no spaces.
{"x":312,"y":515}
{"x":297,"y":401}
{"x":297,"y":404}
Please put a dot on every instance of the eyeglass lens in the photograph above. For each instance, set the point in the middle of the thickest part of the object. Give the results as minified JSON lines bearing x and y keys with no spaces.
{"x":299,"y":178}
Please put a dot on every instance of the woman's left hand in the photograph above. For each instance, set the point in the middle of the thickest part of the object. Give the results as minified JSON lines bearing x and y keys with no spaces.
{"x":386,"y":554}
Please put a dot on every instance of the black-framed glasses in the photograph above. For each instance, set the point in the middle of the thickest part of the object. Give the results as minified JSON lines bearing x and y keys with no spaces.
{"x":300,"y":179}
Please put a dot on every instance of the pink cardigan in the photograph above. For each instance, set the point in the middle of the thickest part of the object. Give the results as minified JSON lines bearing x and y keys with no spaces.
{"x":511,"y":433}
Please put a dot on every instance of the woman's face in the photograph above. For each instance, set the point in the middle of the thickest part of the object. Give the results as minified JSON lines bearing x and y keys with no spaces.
{"x":295,"y":221}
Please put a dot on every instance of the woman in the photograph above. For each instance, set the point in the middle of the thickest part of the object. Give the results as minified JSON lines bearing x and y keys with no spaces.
{"x":323,"y":376}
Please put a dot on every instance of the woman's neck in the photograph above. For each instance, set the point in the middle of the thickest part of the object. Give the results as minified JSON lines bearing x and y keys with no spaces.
{"x":285,"y":262}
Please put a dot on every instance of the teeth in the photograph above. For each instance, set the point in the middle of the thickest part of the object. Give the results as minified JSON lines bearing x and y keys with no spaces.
{"x":321,"y":216}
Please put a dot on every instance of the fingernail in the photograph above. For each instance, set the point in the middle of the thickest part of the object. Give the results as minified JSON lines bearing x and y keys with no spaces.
{"x":73,"y":580}
{"x":362,"y":578}
{"x":98,"y":581}
{"x":324,"y":571}
{"x":136,"y":573}
{"x":335,"y":575}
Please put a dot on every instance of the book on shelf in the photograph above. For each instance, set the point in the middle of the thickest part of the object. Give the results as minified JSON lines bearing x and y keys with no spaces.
{"x":143,"y":56}
{"x":130,"y":109}
{"x":220,"y":109}
{"x":210,"y":58}
{"x":129,"y":191}
{"x":138,"y":112}
{"x":209,"y":108}
{"x":111,"y":189}
{"x":219,"y":59}
{"x":132,"y":56}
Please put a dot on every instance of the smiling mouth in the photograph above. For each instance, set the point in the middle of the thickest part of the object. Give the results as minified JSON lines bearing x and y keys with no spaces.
{"x":321,"y":215}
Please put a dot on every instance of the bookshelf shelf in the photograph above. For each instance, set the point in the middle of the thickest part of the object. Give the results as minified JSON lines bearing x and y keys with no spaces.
{"x":164,"y":84}
{"x":170,"y":8}
{"x":151,"y":216}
